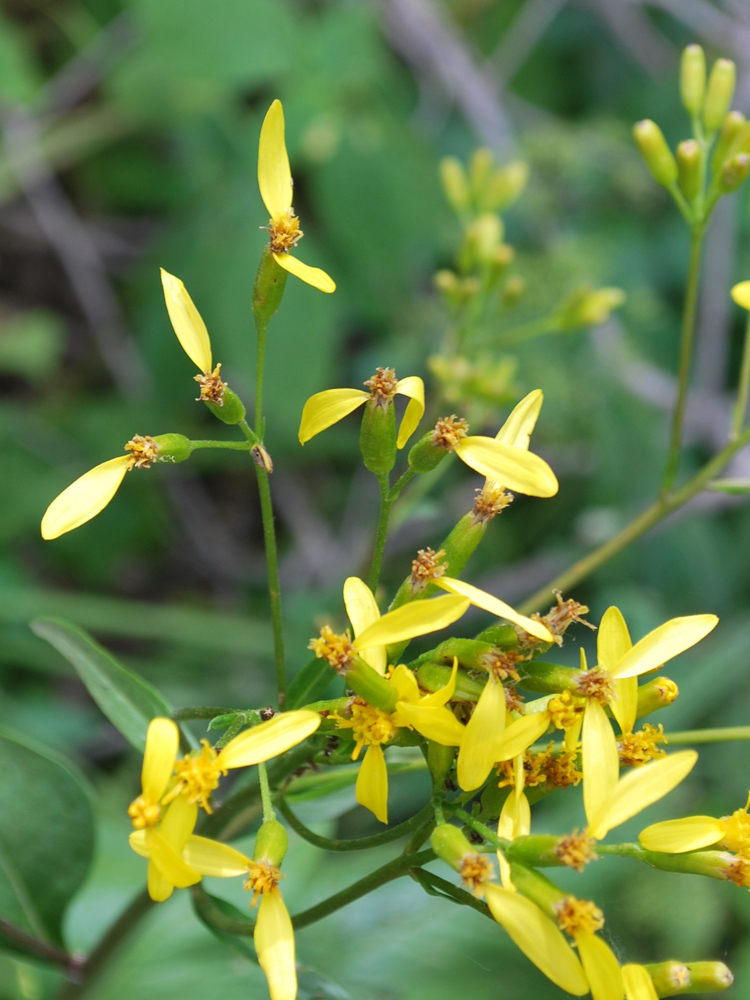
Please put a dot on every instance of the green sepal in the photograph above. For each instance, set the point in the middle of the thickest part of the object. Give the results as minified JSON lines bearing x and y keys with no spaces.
{"x":377,"y":437}
{"x":450,"y":845}
{"x":369,"y":685}
{"x":547,"y":678}
{"x":223,"y":721}
{"x":440,"y":761}
{"x":231,"y":410}
{"x":271,"y":843}
{"x":268,"y":289}
{"x":425,"y":455}
{"x":310,"y":683}
{"x":172,"y":447}
{"x":504,"y":636}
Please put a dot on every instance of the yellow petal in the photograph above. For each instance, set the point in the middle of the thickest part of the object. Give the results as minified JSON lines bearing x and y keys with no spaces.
{"x":187,"y":322}
{"x":269,"y":739}
{"x":311,"y":275}
{"x":162,"y":743}
{"x":444,"y":694}
{"x":537,"y":937}
{"x":159,"y":887}
{"x":411,"y":620}
{"x":514,"y":468}
{"x":515,"y":818}
{"x":481,"y":599}
{"x":274,"y":945}
{"x":625,"y":705}
{"x":640,"y":788}
{"x":405,"y":683}
{"x":483,"y":737}
{"x":516,"y":431}
{"x":363,"y":611}
{"x":169,"y":862}
{"x":638,"y":984}
{"x":209,"y":857}
{"x":505,"y":872}
{"x":600,"y":759}
{"x":612,"y":639}
{"x":438,"y":724}
{"x":372,"y":783}
{"x":137,"y":841}
{"x":675,"y":836}
{"x":413,"y":387}
{"x":741,"y":294}
{"x":178,"y":823}
{"x":521,"y":733}
{"x":326,"y":408}
{"x":274,"y":174}
{"x":601,"y":967}
{"x":84,"y":498}
{"x":666,"y":641}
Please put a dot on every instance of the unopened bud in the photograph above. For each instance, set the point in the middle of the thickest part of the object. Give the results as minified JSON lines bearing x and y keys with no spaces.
{"x":709,"y":977}
{"x":231,"y":409}
{"x":370,"y":686}
{"x":734,"y":172}
{"x":693,"y":79}
{"x":669,"y":978}
{"x":377,"y":438}
{"x":450,"y":845}
{"x":655,"y":152}
{"x":689,"y":169}
{"x":655,"y":695}
{"x":481,"y":239}
{"x":261,"y":458}
{"x":506,"y":186}
{"x":515,"y":287}
{"x":719,"y":93}
{"x":732,"y":138}
{"x":588,"y":307}
{"x":268,"y":289}
{"x":445,"y":281}
{"x":271,"y":843}
{"x":480,"y":170}
{"x":455,"y":184}
{"x":172,"y":448}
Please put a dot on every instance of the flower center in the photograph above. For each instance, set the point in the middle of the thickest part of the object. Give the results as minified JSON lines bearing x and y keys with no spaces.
{"x":576,"y":850}
{"x":502,"y":664}
{"x":262,"y":878}
{"x":475,"y":870}
{"x":212,"y":388}
{"x":578,"y":916}
{"x":198,"y":775}
{"x":562,"y":615}
{"x":336,"y":649}
{"x":370,"y":726}
{"x":640,"y":747}
{"x":143,"y":451}
{"x":564,"y":710}
{"x":597,"y":684}
{"x":284,"y":231}
{"x":428,"y":566}
{"x":489,"y":502}
{"x":449,"y":431}
{"x":144,"y":812}
{"x":383,"y":385}
{"x":736,"y":831}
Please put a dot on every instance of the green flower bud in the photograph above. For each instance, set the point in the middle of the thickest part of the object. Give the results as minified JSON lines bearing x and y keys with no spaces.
{"x":502,"y":636}
{"x":231,"y":409}
{"x":172,"y":448}
{"x":734,"y":172}
{"x":719,"y":93}
{"x":440,"y":761}
{"x":655,"y":152}
{"x":693,"y":79}
{"x":481,"y":239}
{"x":268,"y":289}
{"x":434,"y":676}
{"x":377,"y":438}
{"x":450,"y":845}
{"x":588,"y":307}
{"x":515,"y":288}
{"x":733,"y":134}
{"x":709,"y":977}
{"x":669,"y":978}
{"x":368,"y":684}
{"x":271,"y":843}
{"x":506,"y":186}
{"x":547,"y":678}
{"x":480,"y":170}
{"x":455,"y":184}
{"x":656,"y":694}
{"x":425,"y":455}
{"x":689,"y":169}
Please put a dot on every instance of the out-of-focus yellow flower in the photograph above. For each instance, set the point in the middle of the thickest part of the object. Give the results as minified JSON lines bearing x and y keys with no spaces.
{"x":676,"y":836}
{"x":741,"y":294}
{"x":275,"y":183}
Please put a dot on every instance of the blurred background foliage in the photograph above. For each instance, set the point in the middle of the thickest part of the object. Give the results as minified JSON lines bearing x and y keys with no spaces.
{"x":130,"y":133}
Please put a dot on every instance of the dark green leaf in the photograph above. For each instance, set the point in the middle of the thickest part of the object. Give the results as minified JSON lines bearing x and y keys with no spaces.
{"x":309,"y":684}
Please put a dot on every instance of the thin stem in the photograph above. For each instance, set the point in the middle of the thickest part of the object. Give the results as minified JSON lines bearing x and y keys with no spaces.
{"x":31,"y":945}
{"x":261,"y":328}
{"x":234,"y":445}
{"x":743,"y":387}
{"x":211,"y":914}
{"x":358,"y":843}
{"x":520,"y":334}
{"x":440,"y":887}
{"x":724,"y":735}
{"x":265,"y":794}
{"x":481,"y":829}
{"x":395,"y":491}
{"x":382,"y":531}
{"x":686,"y":358}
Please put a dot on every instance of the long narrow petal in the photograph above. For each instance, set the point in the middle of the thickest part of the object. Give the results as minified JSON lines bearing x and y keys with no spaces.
{"x":483,"y":738}
{"x":178,"y":823}
{"x":162,"y":743}
{"x":413,"y":387}
{"x":675,"y":836}
{"x":269,"y":739}
{"x":405,"y":683}
{"x":516,"y":431}
{"x":638,"y":984}
{"x":640,"y":788}
{"x":159,"y":886}
{"x":274,"y":945}
{"x":481,"y":599}
{"x":516,"y":469}
{"x":137,"y":841}
{"x":612,"y":640}
{"x":601,"y":967}
{"x":444,"y":694}
{"x":209,"y":857}
{"x":169,"y":862}
{"x":274,"y":173}
{"x":537,"y":937}
{"x":363,"y":611}
{"x":625,"y":705}
{"x":521,"y":733}
{"x":372,"y":783}
{"x":187,"y":322}
{"x":311,"y":275}
{"x":515,"y":818}
{"x":665,"y":642}
{"x":506,"y":877}
{"x":326,"y":408}
{"x":438,"y":724}
{"x":411,"y":620}
{"x":600,"y":760}
{"x":85,"y":498}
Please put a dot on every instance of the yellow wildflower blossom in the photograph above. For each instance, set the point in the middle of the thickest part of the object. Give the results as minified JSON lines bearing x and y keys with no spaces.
{"x":676,"y":836}
{"x":581,"y":919}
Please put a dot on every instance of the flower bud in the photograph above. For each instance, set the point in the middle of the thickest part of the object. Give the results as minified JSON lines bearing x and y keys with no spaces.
{"x":719,"y":93}
{"x":377,"y":437}
{"x":502,"y":636}
{"x":655,"y":152}
{"x":588,"y":307}
{"x":732,"y":138}
{"x":480,"y":170}
{"x":506,"y":186}
{"x":669,"y":978}
{"x":440,"y":761}
{"x":455,"y":184}
{"x":693,"y":79}
{"x":656,"y":694}
{"x":268,"y":289}
{"x":481,"y":239}
{"x":434,"y":676}
{"x":450,"y":845}
{"x":425,"y":455}
{"x":689,"y":169}
{"x":709,"y":977}
{"x":734,"y":172}
{"x":499,"y":260}
{"x":515,"y":287}
{"x":172,"y":448}
{"x":369,"y":685}
{"x":231,"y":410}
{"x":271,"y":843}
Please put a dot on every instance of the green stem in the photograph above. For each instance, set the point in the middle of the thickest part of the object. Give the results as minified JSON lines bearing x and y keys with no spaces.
{"x":211,"y":914}
{"x":481,"y":829}
{"x":265,"y":794}
{"x":398,"y":486}
{"x":31,"y":945}
{"x":358,"y":843}
{"x":528,"y":331}
{"x":440,"y":887}
{"x":234,"y":445}
{"x":686,"y":358}
{"x":724,"y":735}
{"x":743,"y":387}
{"x":382,"y":531}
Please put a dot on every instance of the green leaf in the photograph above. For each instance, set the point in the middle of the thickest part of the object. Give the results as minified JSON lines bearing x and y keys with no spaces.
{"x":128,"y":701}
{"x":310,"y":683}
{"x":46,"y":835}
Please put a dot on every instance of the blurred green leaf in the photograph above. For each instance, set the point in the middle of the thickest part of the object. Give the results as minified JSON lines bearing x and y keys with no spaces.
{"x":310,"y":683}
{"x":31,"y":344}
{"x":312,"y":986}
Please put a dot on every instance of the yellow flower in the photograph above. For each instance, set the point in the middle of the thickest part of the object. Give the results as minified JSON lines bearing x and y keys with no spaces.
{"x":582,"y":919}
{"x":638,"y":983}
{"x":275,"y":183}
{"x":741,"y":294}
{"x":328,"y":407}
{"x":676,"y":836}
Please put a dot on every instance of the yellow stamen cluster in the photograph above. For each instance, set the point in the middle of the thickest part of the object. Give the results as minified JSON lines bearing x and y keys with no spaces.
{"x":144,"y":451}
{"x":144,"y":812}
{"x":284,"y":231}
{"x":198,"y":775}
{"x":735,"y":831}
{"x":640,"y":747}
{"x":514,"y":701}
{"x":596,"y":684}
{"x":211,"y":386}
{"x":564,"y":710}
{"x":576,"y":850}
{"x":560,"y":769}
{"x":557,"y":770}
{"x":562,"y":615}
{"x":370,"y":725}
{"x":426,"y":567}
{"x":490,"y":501}
{"x":476,"y":869}
{"x":383,"y":385}
{"x":336,"y":649}
{"x":502,"y":665}
{"x":262,"y":878}
{"x":578,"y":916}
{"x":449,"y":431}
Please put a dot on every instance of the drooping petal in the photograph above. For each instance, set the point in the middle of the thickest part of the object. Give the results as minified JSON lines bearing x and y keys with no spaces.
{"x":162,"y":743}
{"x":159,"y":886}
{"x":537,"y":937}
{"x":326,"y":408}
{"x":516,"y":469}
{"x":601,"y":967}
{"x":274,"y":173}
{"x":178,"y":823}
{"x":515,"y":818}
{"x":638,"y":983}
{"x":438,"y":724}
{"x":444,"y":694}
{"x":314,"y":276}
{"x":675,"y":836}
{"x":640,"y":788}
{"x":516,"y":431}
{"x":269,"y":739}
{"x":483,"y":738}
{"x":413,"y":387}
{"x":601,"y":763}
{"x":625,"y":706}
{"x":363,"y":611}
{"x":481,"y":599}
{"x":665,"y":642}
{"x":411,"y":620}
{"x":612,"y":640}
{"x":405,"y":683}
{"x":372,"y":783}
{"x":521,"y":733}
{"x":209,"y":857}
{"x":741,"y":294}
{"x":274,"y":945}
{"x":169,"y":862}
{"x":85,"y":498}
{"x":187,"y":322}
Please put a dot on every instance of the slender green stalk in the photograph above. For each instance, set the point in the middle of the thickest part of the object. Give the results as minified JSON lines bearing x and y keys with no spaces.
{"x":686,"y":357}
{"x":725,"y":735}
{"x":265,"y":794}
{"x":381,"y":532}
{"x":358,"y":843}
{"x":211,"y":914}
{"x":480,"y":828}
{"x":528,"y":331}
{"x":234,"y":445}
{"x":437,"y":886}
{"x":31,"y":945}
{"x":395,"y":491}
{"x":743,"y":387}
